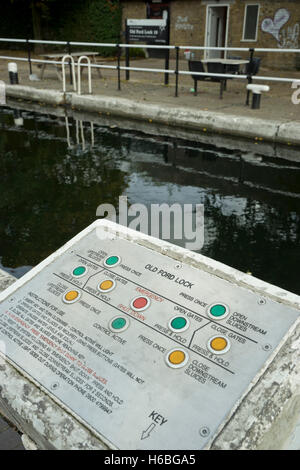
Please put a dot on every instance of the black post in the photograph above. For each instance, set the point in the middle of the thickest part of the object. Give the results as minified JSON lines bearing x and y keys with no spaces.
{"x":256,"y":101}
{"x":118,"y":66}
{"x":249,"y":77}
{"x":70,"y":67}
{"x":167,"y":56}
{"x":176,"y":71}
{"x":127,"y":75}
{"x":29,"y":56}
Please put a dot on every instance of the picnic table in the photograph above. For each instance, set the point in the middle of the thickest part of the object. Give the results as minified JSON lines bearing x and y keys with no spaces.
{"x":225,"y":62}
{"x":59,"y":56}
{"x":215,"y":67}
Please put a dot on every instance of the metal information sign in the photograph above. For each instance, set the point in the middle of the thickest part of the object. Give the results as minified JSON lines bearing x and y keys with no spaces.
{"x":147,"y":31}
{"x":149,"y":352}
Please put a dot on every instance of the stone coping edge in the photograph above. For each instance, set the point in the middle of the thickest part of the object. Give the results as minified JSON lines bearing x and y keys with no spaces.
{"x":285,"y":132}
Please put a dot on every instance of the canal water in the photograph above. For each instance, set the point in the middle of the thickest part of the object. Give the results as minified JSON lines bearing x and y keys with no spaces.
{"x":54,"y":173}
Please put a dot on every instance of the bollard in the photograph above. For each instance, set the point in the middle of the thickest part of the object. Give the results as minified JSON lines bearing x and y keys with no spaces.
{"x":13,"y":73}
{"x":256,"y":92}
{"x":256,"y":100}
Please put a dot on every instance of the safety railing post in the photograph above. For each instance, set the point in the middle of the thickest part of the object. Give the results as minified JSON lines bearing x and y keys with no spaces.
{"x":118,"y":66}
{"x":167,"y":60}
{"x":167,"y":56}
{"x":176,"y":71}
{"x":29,"y":56}
{"x":70,"y":67}
{"x":127,"y":64}
{"x":249,"y":75}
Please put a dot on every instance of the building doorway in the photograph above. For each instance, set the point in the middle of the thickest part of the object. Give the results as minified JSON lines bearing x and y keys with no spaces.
{"x":216,"y":30}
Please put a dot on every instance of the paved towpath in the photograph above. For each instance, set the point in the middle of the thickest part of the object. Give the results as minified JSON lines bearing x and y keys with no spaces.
{"x":149,"y":88}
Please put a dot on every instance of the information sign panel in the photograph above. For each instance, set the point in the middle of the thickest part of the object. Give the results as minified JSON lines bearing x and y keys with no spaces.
{"x":149,"y":352}
{"x":147,"y":31}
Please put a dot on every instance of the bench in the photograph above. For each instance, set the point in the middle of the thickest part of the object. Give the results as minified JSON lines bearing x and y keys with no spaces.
{"x":197,"y":66}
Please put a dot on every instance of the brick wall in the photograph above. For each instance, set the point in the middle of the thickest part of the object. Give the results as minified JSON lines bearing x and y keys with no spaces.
{"x":188,"y":23}
{"x":287,"y":34}
{"x":134,"y":10}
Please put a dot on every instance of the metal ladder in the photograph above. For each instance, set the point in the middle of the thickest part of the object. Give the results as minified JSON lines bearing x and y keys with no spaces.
{"x":71,"y":59}
{"x":84,"y":57}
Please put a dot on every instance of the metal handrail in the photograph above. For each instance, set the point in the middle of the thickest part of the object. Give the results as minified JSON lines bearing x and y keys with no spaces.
{"x":84,"y":57}
{"x":169,"y":71}
{"x":166,"y":71}
{"x":148,"y":46}
{"x":70,"y":58}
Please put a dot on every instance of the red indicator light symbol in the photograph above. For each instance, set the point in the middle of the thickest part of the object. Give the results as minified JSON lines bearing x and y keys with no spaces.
{"x":140,"y":303}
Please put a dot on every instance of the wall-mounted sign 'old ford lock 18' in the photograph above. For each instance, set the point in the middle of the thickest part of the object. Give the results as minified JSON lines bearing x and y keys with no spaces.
{"x":147,"y":31}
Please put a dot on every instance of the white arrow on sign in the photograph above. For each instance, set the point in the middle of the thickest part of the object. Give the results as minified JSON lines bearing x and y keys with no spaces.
{"x":146,"y":433}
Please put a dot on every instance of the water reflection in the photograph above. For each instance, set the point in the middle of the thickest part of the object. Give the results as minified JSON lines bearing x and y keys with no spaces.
{"x":81,"y":144}
{"x":56,"y":171}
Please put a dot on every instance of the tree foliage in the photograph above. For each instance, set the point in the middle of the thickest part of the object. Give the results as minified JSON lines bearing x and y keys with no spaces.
{"x":86,"y":20}
{"x":66,"y":20}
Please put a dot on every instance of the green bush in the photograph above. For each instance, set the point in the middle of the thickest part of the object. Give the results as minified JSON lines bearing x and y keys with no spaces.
{"x":65,"y":20}
{"x":15,"y":23}
{"x":136,"y":52}
{"x":85,"y":21}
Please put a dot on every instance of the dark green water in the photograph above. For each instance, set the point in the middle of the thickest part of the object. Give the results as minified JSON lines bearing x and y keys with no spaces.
{"x":50,"y":191}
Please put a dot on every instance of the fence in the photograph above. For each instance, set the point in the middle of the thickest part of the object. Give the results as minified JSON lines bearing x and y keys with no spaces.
{"x":166,"y":70}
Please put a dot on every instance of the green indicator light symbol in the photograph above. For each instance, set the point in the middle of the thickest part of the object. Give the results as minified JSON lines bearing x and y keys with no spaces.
{"x":118,"y":323}
{"x":218,"y":310}
{"x":178,"y":323}
{"x":79,"y":271}
{"x":112,"y":260}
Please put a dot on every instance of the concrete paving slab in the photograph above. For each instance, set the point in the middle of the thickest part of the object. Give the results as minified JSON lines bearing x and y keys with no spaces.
{"x":148,"y":87}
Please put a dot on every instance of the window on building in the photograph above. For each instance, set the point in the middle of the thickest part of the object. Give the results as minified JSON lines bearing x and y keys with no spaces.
{"x":157,"y":10}
{"x":250,"y":23}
